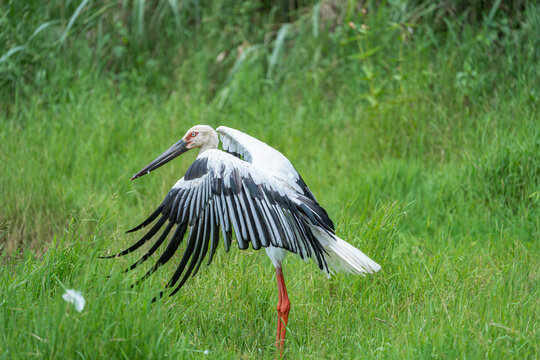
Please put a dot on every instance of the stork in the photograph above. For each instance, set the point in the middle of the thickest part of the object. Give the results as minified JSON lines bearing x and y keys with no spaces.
{"x":250,"y":189}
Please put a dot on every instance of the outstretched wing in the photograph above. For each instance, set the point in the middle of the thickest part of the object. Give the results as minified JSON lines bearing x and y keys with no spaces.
{"x":265,"y":158}
{"x":221,"y":193}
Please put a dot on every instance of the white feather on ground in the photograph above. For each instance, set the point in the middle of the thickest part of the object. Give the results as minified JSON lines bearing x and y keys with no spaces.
{"x":74,"y":297}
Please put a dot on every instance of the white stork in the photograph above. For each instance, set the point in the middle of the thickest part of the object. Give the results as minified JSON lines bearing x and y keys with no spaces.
{"x":253,"y":190}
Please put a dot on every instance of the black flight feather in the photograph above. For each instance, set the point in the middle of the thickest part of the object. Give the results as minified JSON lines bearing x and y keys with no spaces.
{"x":192,"y":239}
{"x":142,"y":241}
{"x":154,"y":247}
{"x":194,"y":258}
{"x":171,"y":248}
{"x":150,"y":219}
{"x":214,"y":234}
{"x":205,"y":239}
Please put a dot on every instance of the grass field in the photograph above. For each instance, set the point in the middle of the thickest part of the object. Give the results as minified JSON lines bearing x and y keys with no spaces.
{"x":420,"y":136}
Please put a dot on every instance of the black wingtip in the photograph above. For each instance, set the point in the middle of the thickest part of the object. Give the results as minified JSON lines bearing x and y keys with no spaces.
{"x":149,"y":220}
{"x":138,"y":227}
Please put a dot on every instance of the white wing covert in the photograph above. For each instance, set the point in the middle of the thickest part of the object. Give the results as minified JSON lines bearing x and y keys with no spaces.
{"x":264,"y":157}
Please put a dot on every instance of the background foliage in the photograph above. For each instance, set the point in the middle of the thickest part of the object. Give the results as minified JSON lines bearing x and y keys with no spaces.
{"x":415,"y":123}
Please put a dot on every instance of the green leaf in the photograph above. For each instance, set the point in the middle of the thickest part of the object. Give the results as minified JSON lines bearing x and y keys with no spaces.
{"x":366,"y":54}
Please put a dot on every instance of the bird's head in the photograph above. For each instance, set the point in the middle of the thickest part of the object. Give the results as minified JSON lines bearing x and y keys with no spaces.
{"x":199,"y":136}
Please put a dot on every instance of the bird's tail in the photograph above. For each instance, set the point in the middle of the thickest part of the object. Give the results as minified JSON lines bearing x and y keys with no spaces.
{"x":342,"y":256}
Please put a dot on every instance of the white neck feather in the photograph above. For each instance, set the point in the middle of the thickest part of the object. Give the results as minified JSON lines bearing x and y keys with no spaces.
{"x":210,"y":142}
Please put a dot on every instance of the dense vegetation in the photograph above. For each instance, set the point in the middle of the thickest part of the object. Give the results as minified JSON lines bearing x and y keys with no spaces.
{"x":415,"y":123}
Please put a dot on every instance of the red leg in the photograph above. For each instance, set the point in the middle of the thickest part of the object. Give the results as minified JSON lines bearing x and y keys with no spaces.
{"x":283,"y":308}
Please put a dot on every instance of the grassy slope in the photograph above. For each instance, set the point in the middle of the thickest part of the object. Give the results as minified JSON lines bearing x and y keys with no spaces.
{"x":438,"y":183}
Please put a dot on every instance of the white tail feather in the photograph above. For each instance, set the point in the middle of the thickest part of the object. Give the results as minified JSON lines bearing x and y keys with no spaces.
{"x":342,"y":256}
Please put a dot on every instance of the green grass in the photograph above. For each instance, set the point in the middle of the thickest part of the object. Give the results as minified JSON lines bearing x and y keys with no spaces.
{"x":423,"y":145}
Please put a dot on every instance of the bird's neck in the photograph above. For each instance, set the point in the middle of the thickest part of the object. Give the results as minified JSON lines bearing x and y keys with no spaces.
{"x":210,"y":144}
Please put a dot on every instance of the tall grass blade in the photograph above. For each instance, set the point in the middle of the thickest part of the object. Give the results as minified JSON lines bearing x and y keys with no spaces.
{"x":139,"y":8}
{"x":176,"y":12}
{"x":493,"y":10}
{"x":240,"y":60}
{"x":72,"y":20}
{"x":43,"y":27}
{"x":278,"y":47}
{"x":228,"y":85}
{"x":12,"y":51}
{"x":315,"y":19}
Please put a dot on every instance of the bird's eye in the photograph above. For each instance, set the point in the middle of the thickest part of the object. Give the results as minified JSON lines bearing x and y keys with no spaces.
{"x":193,"y":134}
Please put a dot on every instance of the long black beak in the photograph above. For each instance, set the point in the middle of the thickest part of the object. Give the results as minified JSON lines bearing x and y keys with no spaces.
{"x":172,"y":152}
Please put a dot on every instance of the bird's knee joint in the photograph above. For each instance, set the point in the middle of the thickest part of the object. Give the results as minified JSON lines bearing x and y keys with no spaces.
{"x":284,"y":307}
{"x":287,"y":307}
